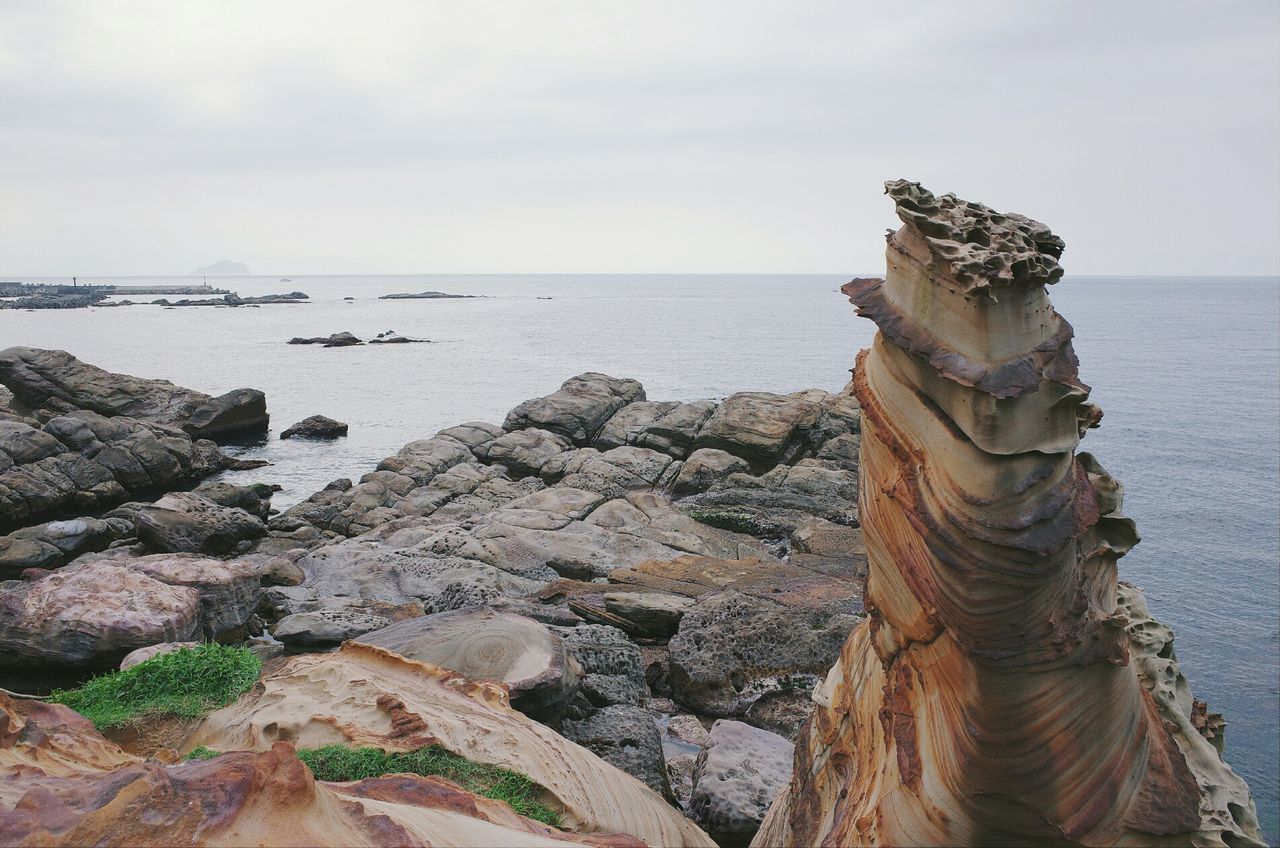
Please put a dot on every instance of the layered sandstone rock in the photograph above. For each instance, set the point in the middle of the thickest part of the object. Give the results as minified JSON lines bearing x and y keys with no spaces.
{"x":64,"y":784}
{"x":366,"y":696}
{"x":994,"y":696}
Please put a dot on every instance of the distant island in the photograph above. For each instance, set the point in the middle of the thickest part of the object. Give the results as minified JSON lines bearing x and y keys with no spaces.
{"x":223,"y":268}
{"x":427,"y":295}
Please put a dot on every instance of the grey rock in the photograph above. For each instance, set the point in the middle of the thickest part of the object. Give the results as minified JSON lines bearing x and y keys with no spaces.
{"x":578,"y":409}
{"x":704,"y":468}
{"x":57,"y":380}
{"x":764,"y":429}
{"x":739,"y":774}
{"x":55,"y":543}
{"x":732,"y":648}
{"x":523,"y":452}
{"x":651,"y":613}
{"x":183,"y":522}
{"x":485,"y":644}
{"x":237,"y":413}
{"x":316,"y":427}
{"x":141,"y":655}
{"x":325,"y":627}
{"x":83,"y":461}
{"x":626,"y":737}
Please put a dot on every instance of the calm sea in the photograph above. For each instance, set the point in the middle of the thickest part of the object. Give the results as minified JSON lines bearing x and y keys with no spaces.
{"x":1187,"y":370}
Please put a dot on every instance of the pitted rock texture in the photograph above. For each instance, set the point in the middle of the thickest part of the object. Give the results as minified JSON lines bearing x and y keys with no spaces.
{"x":739,"y":773}
{"x":365,"y":696}
{"x":982,"y":248}
{"x":184,"y":522}
{"x":56,"y":380}
{"x":992,"y":696}
{"x":626,"y":737}
{"x":68,"y":786}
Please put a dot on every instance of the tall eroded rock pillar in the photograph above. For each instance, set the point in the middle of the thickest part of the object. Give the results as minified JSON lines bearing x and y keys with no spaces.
{"x":1004,"y":690}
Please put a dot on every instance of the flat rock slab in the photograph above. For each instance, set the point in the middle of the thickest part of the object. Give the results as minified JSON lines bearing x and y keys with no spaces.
{"x":650,"y":613}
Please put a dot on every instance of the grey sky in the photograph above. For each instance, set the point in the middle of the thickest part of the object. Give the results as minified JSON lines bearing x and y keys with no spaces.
{"x":384,"y":137}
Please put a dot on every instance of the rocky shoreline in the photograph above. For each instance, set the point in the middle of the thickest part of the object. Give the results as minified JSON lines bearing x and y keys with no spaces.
{"x":615,"y":530}
{"x":664,"y":614}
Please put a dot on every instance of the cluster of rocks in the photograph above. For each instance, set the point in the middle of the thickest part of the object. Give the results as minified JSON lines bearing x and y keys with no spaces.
{"x":627,"y":567}
{"x":233,"y":299}
{"x":77,"y":300}
{"x":426,"y":295}
{"x":346,"y":339}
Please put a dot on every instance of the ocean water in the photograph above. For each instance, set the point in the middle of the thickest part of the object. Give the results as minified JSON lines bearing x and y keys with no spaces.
{"x":1187,"y":371}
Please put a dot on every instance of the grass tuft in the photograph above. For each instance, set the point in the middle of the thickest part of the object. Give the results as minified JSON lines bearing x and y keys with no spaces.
{"x":187,"y":683}
{"x":340,"y":763}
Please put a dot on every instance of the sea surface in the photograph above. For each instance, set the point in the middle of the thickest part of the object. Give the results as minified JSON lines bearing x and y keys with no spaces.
{"x":1186,"y":369}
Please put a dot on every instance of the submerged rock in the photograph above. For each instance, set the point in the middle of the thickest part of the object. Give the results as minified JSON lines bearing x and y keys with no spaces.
{"x":316,"y":427}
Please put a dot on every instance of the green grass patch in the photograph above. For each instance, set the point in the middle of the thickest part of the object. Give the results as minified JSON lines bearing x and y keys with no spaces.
{"x":187,"y":683}
{"x":339,"y":763}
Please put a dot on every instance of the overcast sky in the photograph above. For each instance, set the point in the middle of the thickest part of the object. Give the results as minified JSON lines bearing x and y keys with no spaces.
{"x":388,"y":137}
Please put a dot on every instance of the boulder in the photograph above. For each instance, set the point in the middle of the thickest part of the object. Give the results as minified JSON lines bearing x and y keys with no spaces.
{"x":316,"y":427}
{"x":484,"y":644}
{"x":56,"y":380}
{"x":578,"y":409}
{"x":665,"y":426}
{"x":523,"y":452}
{"x":254,"y":499}
{"x":84,"y":461}
{"x":774,"y":504}
{"x":626,"y":737}
{"x":325,"y":627}
{"x":183,"y":522}
{"x":152,"y":651}
{"x":764,"y":429}
{"x":733,"y":649}
{"x":91,"y":613}
{"x":704,"y":468}
{"x":239,"y":412}
{"x":55,"y":543}
{"x":612,"y":667}
{"x":739,"y":774}
{"x":652,"y":614}
{"x":612,"y":473}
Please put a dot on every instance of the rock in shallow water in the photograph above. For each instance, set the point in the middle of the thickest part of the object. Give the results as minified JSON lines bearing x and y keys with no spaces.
{"x":316,"y":427}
